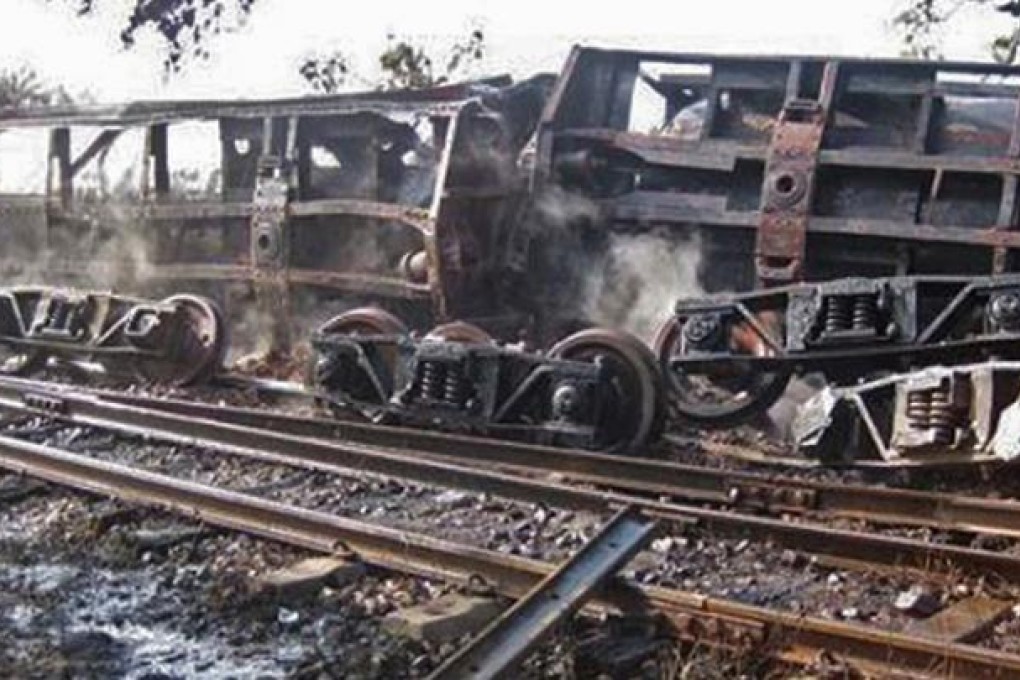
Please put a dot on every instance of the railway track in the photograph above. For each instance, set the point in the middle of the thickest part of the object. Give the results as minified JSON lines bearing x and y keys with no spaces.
{"x":231,"y":431}
{"x":793,"y":638}
{"x":733,"y":489}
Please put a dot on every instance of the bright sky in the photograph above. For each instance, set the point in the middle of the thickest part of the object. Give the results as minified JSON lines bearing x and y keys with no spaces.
{"x":523,"y":36}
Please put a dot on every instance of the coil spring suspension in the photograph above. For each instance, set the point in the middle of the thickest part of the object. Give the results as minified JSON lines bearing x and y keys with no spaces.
{"x":456,"y":387}
{"x":918,"y":405}
{"x":942,"y":416}
{"x":846,"y":312}
{"x":933,"y":409}
{"x":865,"y":314}
{"x":432,"y":380}
{"x":837,"y":313}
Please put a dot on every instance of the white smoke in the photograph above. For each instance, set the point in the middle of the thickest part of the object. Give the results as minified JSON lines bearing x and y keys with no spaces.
{"x":643,"y":277}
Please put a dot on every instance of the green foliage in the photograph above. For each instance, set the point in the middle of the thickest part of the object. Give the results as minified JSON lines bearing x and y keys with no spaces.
{"x":184,"y":25}
{"x":921,"y":22}
{"x":917,"y":23}
{"x":326,"y":73}
{"x":404,"y":65}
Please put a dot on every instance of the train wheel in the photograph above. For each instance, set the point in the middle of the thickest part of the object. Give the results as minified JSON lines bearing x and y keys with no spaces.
{"x":729,"y":396}
{"x":638,"y":412}
{"x":364,"y":321}
{"x":460,"y":332}
{"x":201,"y":352}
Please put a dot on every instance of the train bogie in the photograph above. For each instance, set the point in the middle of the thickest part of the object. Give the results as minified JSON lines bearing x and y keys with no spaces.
{"x":965,"y":413}
{"x":726,"y":354}
{"x":181,"y":340}
{"x":597,"y":389}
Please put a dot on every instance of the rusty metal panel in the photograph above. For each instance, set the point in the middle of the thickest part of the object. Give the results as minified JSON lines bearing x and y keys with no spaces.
{"x":789,"y":190}
{"x":907,"y":166}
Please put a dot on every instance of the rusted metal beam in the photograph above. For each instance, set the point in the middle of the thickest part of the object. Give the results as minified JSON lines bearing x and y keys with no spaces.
{"x":100,"y":144}
{"x":788,"y":195}
{"x":418,"y":218}
{"x":343,"y":281}
{"x":505,"y":643}
{"x":663,"y":207}
{"x":962,"y":621}
{"x":441,"y":100}
{"x":59,"y":177}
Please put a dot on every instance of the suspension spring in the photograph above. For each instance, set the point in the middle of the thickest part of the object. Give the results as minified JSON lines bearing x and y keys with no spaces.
{"x":837,"y":313}
{"x":918,"y":405}
{"x":432,"y":380}
{"x":865,"y":314}
{"x":934,"y":410}
{"x":456,"y":385}
{"x":943,"y":416}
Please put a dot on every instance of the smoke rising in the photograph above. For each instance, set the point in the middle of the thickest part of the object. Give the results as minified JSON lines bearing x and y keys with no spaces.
{"x":643,"y":276}
{"x":628,"y":280}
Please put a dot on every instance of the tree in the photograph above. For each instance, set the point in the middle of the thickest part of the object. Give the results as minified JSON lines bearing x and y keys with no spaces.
{"x":184,"y":25}
{"x":920,"y":23}
{"x":23,"y":88}
{"x":326,"y":73}
{"x":403,"y":64}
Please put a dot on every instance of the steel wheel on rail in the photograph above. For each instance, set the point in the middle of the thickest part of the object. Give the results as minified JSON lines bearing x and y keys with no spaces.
{"x":201,"y":350}
{"x":460,"y":332}
{"x":638,"y":408}
{"x":729,"y":395}
{"x":364,"y":322}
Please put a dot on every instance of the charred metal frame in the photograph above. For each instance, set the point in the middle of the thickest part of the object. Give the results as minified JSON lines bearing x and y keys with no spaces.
{"x":463,"y":224}
{"x":941,"y":414}
{"x":179,"y":340}
{"x":848,"y":327}
{"x":805,"y":167}
{"x":467,"y":387}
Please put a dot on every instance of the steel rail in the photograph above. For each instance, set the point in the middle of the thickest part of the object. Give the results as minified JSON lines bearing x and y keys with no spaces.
{"x":736,"y":489}
{"x":506,"y":642}
{"x":343,"y":458}
{"x":791,"y":637}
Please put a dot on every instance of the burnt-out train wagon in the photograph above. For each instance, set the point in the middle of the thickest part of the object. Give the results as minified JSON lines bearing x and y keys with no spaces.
{"x":536,"y":209}
{"x":786,"y":168}
{"x":412,"y":202}
{"x":858,"y":195}
{"x":406,"y":199}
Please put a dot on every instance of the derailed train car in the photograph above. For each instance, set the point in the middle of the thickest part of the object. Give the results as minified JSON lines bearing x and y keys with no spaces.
{"x":413,"y":202}
{"x":854,"y":198}
{"x":792,"y":168}
{"x":408,"y":199}
{"x":871,"y":203}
